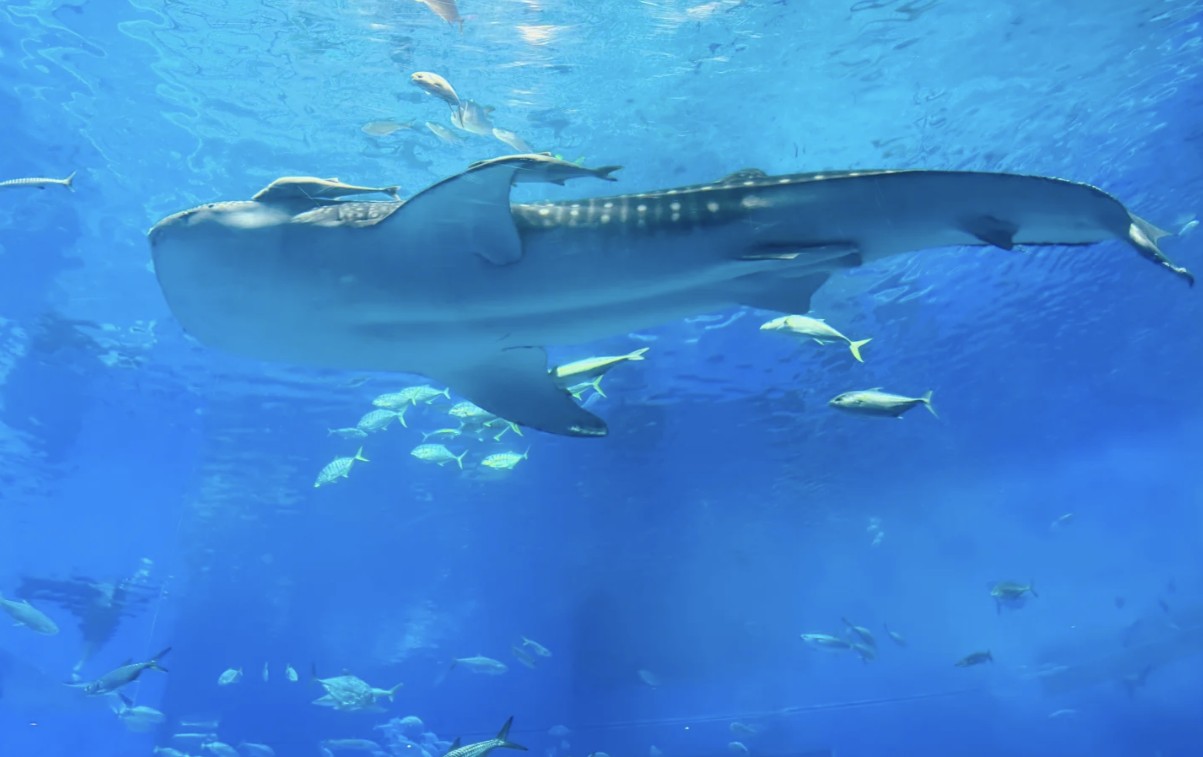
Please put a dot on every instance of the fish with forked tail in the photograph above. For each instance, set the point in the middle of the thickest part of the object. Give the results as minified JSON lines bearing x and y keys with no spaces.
{"x":880,"y":403}
{"x":122,"y":676}
{"x":482,"y":748}
{"x":39,"y":182}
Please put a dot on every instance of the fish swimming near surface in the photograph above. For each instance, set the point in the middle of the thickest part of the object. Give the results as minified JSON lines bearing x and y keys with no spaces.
{"x":446,"y":10}
{"x":39,"y":182}
{"x":473,"y":117}
{"x":433,"y":84}
{"x":309,"y":189}
{"x":122,"y":676}
{"x":511,"y":139}
{"x":466,"y":289}
{"x":444,"y":134}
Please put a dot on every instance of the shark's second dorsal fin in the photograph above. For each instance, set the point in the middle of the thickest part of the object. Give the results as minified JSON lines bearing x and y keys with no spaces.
{"x":742,"y":175}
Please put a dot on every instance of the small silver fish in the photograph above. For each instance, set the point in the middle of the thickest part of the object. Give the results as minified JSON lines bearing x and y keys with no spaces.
{"x":446,"y":10}
{"x":897,"y":638}
{"x":339,"y":467}
{"x":433,"y":84}
{"x":536,"y":647}
{"x":877,"y":402}
{"x":825,"y":641}
{"x":382,"y":128}
{"x":444,"y":134}
{"x":122,"y":676}
{"x":864,"y":633}
{"x":481,"y":664}
{"x":511,"y":139}
{"x":378,"y":420}
{"x":39,"y":182}
{"x":816,"y":329}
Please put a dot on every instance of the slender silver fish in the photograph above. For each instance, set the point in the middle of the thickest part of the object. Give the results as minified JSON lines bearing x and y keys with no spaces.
{"x":122,"y":676}
{"x":39,"y":182}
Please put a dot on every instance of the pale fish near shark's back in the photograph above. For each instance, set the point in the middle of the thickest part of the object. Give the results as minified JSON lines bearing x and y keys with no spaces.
{"x":459,"y":286}
{"x":309,"y":188}
{"x":39,"y":182}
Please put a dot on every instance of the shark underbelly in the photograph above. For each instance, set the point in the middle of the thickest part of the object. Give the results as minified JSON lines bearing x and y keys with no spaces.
{"x":357,"y":299}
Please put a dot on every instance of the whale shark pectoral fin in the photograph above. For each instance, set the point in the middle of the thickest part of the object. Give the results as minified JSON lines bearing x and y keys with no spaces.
{"x":992,"y":231}
{"x":768,"y":291}
{"x":515,"y":385}
{"x":466,"y":213}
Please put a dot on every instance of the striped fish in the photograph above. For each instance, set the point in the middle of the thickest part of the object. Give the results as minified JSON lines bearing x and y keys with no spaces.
{"x":482,"y":748}
{"x":38,"y":182}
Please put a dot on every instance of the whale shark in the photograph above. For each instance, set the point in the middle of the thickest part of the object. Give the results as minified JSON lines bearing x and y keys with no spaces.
{"x":461,"y":286}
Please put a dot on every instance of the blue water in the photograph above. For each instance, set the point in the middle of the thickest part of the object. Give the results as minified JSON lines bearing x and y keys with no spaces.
{"x":729,"y":510}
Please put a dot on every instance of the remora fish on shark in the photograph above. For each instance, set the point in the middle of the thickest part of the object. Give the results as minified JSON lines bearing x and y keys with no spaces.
{"x":459,"y":285}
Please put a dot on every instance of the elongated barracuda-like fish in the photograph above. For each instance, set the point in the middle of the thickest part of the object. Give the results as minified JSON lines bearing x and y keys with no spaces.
{"x":460,"y":286}
{"x":38,"y":182}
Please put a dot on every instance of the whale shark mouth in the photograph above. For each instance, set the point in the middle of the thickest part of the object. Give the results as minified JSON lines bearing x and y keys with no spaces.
{"x":457,"y":284}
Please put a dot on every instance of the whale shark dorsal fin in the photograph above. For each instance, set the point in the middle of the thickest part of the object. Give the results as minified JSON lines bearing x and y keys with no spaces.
{"x":515,"y":385}
{"x":466,"y":213}
{"x":742,"y":175}
{"x":469,"y":213}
